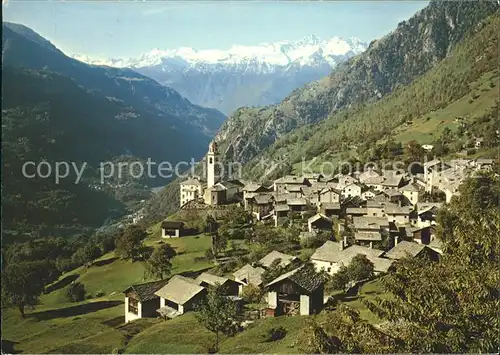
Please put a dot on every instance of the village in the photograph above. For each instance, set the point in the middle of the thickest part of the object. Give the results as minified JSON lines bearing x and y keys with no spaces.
{"x":384,"y":216}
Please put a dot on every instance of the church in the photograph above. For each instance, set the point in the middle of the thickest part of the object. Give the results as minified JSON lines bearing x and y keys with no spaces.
{"x":211,"y":192}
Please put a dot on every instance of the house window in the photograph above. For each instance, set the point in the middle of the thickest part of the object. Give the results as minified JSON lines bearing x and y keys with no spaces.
{"x":133,"y":305}
{"x":210,"y":160}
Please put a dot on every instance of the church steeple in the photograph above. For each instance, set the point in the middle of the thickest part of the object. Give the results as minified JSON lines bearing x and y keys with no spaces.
{"x":212,"y":158}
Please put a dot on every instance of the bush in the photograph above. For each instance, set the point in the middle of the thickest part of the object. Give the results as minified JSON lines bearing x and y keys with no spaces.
{"x":76,"y":292}
{"x":251,"y":294}
{"x":274,"y":334}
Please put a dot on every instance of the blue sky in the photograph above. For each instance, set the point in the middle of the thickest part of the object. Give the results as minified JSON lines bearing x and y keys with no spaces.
{"x":123,"y":29}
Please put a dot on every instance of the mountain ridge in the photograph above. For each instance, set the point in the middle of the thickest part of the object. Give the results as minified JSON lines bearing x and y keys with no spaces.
{"x":242,"y":75}
{"x":395,"y":60}
{"x":280,"y":53}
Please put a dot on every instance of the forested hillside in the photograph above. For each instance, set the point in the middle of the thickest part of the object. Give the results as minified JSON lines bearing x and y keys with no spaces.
{"x":469,"y":72}
{"x":57,"y":109}
{"x":413,"y":48}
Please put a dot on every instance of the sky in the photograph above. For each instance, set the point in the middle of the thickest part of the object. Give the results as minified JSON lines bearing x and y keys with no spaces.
{"x":128,"y":28}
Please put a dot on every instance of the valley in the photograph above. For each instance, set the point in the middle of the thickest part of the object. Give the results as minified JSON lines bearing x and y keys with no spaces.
{"x":362,"y":216}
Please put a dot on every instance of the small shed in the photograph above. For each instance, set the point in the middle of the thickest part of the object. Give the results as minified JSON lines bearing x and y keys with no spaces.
{"x":319,"y":222}
{"x":172,"y":229}
{"x":298,"y":292}
{"x":179,"y":295}
{"x":141,"y":301}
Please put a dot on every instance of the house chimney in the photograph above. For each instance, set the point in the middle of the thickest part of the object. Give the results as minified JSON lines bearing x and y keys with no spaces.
{"x":396,"y":240}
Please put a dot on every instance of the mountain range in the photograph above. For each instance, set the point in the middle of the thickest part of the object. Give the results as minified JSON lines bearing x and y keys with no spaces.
{"x":392,"y":62}
{"x":58,"y":109}
{"x":242,"y":75}
{"x":440,"y":64}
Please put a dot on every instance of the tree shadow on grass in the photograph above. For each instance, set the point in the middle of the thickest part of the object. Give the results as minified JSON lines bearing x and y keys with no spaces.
{"x":194,"y":274}
{"x":104,"y":262}
{"x":75,"y":310}
{"x":61,"y":283}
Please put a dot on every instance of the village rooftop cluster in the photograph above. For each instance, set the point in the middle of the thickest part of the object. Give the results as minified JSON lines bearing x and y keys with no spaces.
{"x":383,"y":216}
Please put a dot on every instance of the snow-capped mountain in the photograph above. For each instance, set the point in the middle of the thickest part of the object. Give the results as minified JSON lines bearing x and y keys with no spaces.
{"x":242,"y":75}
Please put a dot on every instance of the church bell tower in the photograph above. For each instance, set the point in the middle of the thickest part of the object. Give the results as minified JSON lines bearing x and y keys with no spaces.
{"x":212,"y":158}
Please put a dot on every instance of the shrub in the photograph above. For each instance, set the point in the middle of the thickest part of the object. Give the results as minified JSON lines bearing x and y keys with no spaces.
{"x":251,"y":294}
{"x":274,"y":334}
{"x":76,"y":292}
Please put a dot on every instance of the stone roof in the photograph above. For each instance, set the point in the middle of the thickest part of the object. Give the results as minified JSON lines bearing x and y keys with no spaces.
{"x":293,"y":188}
{"x":317,"y":217}
{"x":319,"y":185}
{"x":296,"y":201}
{"x":403,"y":249}
{"x":146,"y":291}
{"x":392,"y":193}
{"x":172,"y":225}
{"x":330,"y":205}
{"x":282,"y":208}
{"x":217,"y":187}
{"x":368,"y":236}
{"x":267,"y":260}
{"x":249,"y":273}
{"x":367,"y":175}
{"x":191,"y":181}
{"x":179,"y":289}
{"x":352,"y":184}
{"x":232,"y":183}
{"x":374,"y":223}
{"x":356,"y":210}
{"x":381,"y":264}
{"x":263,"y":199}
{"x":392,"y":208}
{"x":313,"y":176}
{"x":331,"y":252}
{"x":252,"y":187}
{"x":282,"y":197}
{"x":211,"y":279}
{"x":392,"y":180}
{"x":304,"y":277}
{"x":290,"y":179}
{"x":410,"y":187}
{"x":374,"y":180}
{"x":436,"y":245}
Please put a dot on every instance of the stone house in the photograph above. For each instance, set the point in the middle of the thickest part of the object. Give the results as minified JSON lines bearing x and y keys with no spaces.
{"x":141,"y":301}
{"x":352,"y":190}
{"x":172,"y":229}
{"x":331,"y":256}
{"x":191,"y":189}
{"x":411,"y":192}
{"x":319,"y":222}
{"x":179,"y":295}
{"x":261,"y":205}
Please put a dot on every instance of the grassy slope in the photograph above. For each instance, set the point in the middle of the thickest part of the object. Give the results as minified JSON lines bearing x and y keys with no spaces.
{"x":425,"y":130}
{"x":169,"y":337}
{"x":57,"y":322}
{"x":96,"y":325}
